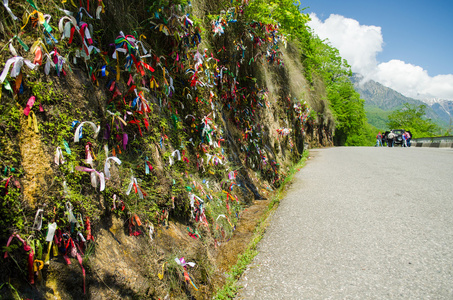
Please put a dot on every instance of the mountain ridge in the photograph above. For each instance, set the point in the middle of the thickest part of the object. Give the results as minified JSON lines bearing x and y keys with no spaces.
{"x":381,"y":100}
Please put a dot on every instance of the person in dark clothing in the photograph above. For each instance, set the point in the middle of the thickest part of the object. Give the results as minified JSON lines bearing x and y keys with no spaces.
{"x":384,"y":138}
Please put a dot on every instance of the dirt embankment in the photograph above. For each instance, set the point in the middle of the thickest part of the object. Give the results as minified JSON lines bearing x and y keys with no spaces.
{"x":168,"y":157}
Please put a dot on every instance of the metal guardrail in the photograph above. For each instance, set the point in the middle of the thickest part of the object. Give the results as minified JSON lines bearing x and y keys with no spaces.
{"x":434,"y":142}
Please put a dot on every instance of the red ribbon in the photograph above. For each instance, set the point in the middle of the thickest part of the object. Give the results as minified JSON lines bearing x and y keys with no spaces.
{"x":31,"y":276}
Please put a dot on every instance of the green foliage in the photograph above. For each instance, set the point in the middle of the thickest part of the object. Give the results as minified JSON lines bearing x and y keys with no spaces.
{"x":283,"y":12}
{"x":348,"y":111}
{"x":11,"y":210}
{"x":411,"y":118}
{"x":345,"y":102}
{"x":377,"y":117}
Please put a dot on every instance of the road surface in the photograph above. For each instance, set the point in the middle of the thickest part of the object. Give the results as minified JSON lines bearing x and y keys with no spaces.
{"x":361,"y":223}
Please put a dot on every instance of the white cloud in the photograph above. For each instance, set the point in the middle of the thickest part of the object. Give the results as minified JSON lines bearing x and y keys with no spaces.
{"x":413,"y":81}
{"x":360,"y":44}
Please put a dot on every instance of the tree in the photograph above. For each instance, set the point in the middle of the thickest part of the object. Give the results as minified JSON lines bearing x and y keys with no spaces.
{"x":412,"y":118}
{"x":345,"y":102}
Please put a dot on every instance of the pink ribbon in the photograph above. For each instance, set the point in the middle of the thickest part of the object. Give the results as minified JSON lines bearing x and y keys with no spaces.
{"x":30,"y":103}
{"x":93,"y":174}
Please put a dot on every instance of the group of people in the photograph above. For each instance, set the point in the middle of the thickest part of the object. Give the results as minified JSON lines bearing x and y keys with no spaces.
{"x":390,"y":138}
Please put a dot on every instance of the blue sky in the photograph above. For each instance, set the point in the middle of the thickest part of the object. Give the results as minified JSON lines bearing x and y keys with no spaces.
{"x":399,"y":37}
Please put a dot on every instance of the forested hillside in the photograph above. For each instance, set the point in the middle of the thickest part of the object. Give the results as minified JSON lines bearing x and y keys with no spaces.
{"x":136,"y":134}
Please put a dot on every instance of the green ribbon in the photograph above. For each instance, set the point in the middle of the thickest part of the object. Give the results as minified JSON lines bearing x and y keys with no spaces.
{"x":8,"y":86}
{"x":21,"y":43}
{"x":47,"y":27}
{"x":194,"y":232}
{"x":175,"y":119}
{"x":66,"y":146}
{"x":32,"y":4}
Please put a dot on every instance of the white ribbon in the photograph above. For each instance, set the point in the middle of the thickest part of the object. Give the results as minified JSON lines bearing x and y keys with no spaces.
{"x":131,"y":184}
{"x":49,"y":63}
{"x":81,"y":237}
{"x":66,"y":28}
{"x":98,"y":12}
{"x":223,"y":216}
{"x":217,"y":160}
{"x":151,"y":231}
{"x":71,"y":217}
{"x":171,"y":87}
{"x":90,"y":48}
{"x":12,"y":49}
{"x":182,"y":262}
{"x":5,"y":4}
{"x":209,"y":158}
{"x":18,"y":62}
{"x":173,"y":154}
{"x":143,"y":47}
{"x":87,"y":33}
{"x":101,"y":179}
{"x":192,"y":197}
{"x":77,"y":132}
{"x":197,"y":57}
{"x":81,"y":15}
{"x":107,"y":165}
{"x":119,"y":50}
{"x":59,"y":159}
{"x":37,"y":224}
{"x":51,"y":231}
{"x":93,"y":174}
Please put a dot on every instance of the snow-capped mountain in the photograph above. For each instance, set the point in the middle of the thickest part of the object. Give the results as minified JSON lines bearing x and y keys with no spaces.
{"x":442,"y":107}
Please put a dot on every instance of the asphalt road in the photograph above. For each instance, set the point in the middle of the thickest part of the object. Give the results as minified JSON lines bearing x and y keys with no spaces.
{"x":361,"y":223}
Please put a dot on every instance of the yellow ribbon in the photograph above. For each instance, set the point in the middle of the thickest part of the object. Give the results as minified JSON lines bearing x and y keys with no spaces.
{"x":38,"y":265}
{"x":184,"y":91}
{"x":165,"y":79}
{"x":153,"y":82}
{"x":35,"y":122}
{"x":36,"y":44}
{"x":161,"y":276}
{"x":26,"y":17}
{"x":117,"y":68}
{"x":55,"y":250}
{"x":47,"y":259}
{"x":119,"y":118}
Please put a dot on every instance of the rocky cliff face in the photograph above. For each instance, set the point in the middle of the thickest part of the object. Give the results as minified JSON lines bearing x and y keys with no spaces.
{"x":144,"y":132}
